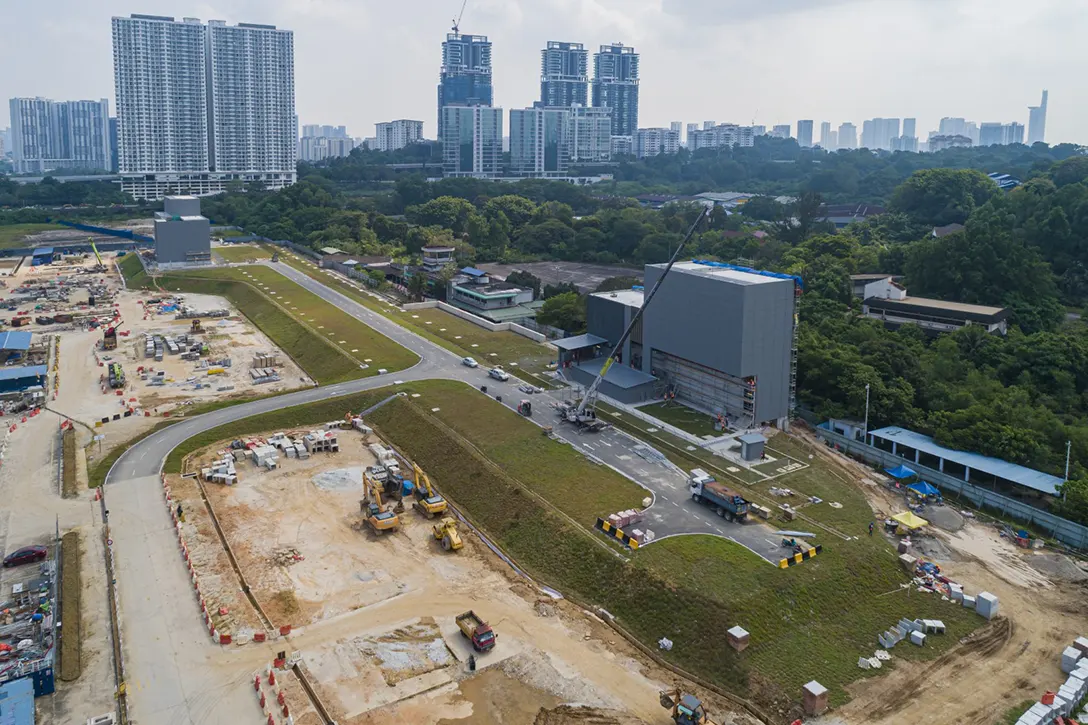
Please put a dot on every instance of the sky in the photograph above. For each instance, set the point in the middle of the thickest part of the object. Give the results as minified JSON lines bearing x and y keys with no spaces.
{"x":358,"y":62}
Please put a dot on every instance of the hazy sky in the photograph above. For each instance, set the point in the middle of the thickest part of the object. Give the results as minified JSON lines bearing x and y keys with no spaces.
{"x":774,"y":61}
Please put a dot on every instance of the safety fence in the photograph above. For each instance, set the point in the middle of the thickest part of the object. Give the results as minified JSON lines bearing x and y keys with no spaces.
{"x":1063,"y":530}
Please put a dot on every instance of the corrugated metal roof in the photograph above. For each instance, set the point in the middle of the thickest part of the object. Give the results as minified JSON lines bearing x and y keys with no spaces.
{"x":17,"y":702}
{"x":42,"y":251}
{"x":619,"y":375}
{"x":473,"y":272}
{"x":579,"y":342}
{"x":1016,"y":473}
{"x":15,"y":340}
{"x":18,"y":373}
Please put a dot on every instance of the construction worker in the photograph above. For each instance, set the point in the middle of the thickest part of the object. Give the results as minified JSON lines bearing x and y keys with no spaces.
{"x":870,"y":528}
{"x":181,"y":517}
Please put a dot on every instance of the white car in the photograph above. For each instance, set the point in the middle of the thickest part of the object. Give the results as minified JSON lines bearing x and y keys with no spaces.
{"x":499,"y":374}
{"x":469,"y":362}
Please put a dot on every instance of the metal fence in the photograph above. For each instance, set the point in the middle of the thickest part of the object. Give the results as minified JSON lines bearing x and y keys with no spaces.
{"x":1063,"y":530}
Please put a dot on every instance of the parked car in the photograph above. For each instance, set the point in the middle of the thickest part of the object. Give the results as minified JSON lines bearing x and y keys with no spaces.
{"x":529,"y":389}
{"x":25,"y":555}
{"x":469,"y":362}
{"x":499,"y":374}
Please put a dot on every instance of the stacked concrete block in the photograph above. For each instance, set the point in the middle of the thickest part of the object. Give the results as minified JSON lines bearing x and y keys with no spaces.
{"x":737,"y":637}
{"x":319,"y":441}
{"x":918,"y":638}
{"x":814,"y":696}
{"x":1038,"y":714}
{"x":1081,"y":643}
{"x":1070,"y":657}
{"x":968,"y":601}
{"x":931,"y":626}
{"x":955,"y":592}
{"x":908,"y":562}
{"x":909,"y":626}
{"x":986,"y":605}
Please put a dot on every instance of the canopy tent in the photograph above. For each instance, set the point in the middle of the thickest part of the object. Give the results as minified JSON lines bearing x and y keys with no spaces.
{"x":900,"y":471}
{"x":910,"y":520}
{"x":924,"y":489}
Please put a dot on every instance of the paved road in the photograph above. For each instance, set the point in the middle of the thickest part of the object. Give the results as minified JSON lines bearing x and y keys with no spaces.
{"x":176,"y":675}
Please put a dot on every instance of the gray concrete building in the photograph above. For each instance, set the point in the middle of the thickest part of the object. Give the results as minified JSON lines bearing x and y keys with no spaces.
{"x":182,"y":236}
{"x":719,"y":338}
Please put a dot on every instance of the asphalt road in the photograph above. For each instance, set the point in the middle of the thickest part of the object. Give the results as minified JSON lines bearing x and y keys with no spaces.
{"x":174,"y":675}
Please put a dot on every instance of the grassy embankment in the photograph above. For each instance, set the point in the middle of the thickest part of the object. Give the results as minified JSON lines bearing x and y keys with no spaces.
{"x":460,"y":336}
{"x":809,"y":621}
{"x":242,"y":253}
{"x":71,"y":613}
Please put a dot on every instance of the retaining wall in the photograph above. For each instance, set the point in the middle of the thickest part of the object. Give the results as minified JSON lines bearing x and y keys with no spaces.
{"x":1061,"y":529}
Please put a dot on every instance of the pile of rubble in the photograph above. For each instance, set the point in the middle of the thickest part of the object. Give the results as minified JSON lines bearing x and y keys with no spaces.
{"x":286,"y":556}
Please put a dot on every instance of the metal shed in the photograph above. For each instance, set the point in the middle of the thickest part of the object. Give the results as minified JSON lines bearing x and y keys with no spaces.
{"x":751,"y":446}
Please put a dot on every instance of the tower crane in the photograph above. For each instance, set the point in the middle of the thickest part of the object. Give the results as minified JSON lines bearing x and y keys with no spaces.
{"x":457,"y":20}
{"x":578,"y":414}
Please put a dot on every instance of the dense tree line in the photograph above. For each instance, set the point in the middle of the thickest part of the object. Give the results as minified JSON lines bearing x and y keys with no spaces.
{"x":51,"y":193}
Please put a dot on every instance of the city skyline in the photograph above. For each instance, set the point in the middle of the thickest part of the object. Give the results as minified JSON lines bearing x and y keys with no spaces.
{"x":669,"y":89}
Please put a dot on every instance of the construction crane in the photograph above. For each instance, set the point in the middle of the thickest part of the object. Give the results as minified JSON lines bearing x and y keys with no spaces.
{"x":97,"y":256}
{"x":578,"y":414}
{"x":428,"y":503}
{"x":457,"y":20}
{"x":379,"y":520}
{"x":686,"y":709}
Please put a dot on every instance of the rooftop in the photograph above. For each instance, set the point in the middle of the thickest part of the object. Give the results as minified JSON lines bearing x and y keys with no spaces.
{"x":15,"y":340}
{"x":23,"y":372}
{"x":619,"y":375}
{"x":723,"y":273}
{"x":579,"y":342}
{"x":484,"y":291}
{"x":629,"y":297}
{"x":473,"y":272}
{"x":933,"y":304}
{"x":42,"y":251}
{"x":1029,"y":477}
{"x":870,"y":277}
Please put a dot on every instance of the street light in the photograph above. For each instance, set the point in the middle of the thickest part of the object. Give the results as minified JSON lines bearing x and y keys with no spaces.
{"x":866,"y":433}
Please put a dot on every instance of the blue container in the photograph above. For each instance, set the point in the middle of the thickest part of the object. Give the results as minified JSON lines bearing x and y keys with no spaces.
{"x":406,"y":487}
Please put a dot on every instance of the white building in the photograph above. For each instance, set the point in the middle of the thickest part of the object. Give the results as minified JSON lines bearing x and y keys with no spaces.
{"x":848,"y":136}
{"x":317,"y":129}
{"x":540,"y":141}
{"x":471,"y":141}
{"x":726,"y":135}
{"x":393,"y":135}
{"x":200,"y":106}
{"x":49,"y":135}
{"x":622,"y":145}
{"x":654,"y":141}
{"x":320,"y":148}
{"x":781,"y":131}
{"x":590,"y":134}
{"x":1037,"y":121}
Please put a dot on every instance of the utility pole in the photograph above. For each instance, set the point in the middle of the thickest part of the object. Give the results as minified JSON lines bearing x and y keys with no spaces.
{"x":866,"y":434}
{"x":1068,"y":451}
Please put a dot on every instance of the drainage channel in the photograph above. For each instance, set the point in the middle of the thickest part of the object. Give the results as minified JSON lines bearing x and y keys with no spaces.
{"x":310,"y":693}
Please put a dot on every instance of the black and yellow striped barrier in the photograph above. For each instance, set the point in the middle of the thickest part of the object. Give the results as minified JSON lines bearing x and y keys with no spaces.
{"x":798,"y":558}
{"x":616,"y":533}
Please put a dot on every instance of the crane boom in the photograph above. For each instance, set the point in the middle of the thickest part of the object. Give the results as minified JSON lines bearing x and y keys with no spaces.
{"x":591,"y":392}
{"x":95,"y":250}
{"x":457,"y":20}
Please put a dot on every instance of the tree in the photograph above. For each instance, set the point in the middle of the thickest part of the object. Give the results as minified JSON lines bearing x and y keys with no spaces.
{"x":553,"y":290}
{"x":517,"y":209}
{"x":525,"y":279}
{"x":618,"y":283}
{"x":943,"y":196}
{"x":552,"y":237}
{"x":417,"y":285}
{"x":445,"y":211}
{"x":566,"y":311}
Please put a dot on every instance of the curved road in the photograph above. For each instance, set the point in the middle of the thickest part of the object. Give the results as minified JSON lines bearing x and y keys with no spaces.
{"x":174,"y":675}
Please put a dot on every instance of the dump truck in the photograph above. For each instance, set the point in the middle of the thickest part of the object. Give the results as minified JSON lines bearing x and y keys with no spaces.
{"x":446,"y":532}
{"x":428,"y":503}
{"x":476,"y":631}
{"x":726,"y":502}
{"x":109,"y":338}
{"x":685,"y":709}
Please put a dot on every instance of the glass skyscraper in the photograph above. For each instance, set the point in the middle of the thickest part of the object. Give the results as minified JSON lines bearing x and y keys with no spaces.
{"x":465,"y":78}
{"x":564,"y":79}
{"x":615,"y":86}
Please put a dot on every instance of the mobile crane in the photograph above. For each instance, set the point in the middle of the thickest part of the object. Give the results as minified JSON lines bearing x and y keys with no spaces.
{"x":579,"y":414}
{"x":379,"y":520}
{"x":428,"y":503}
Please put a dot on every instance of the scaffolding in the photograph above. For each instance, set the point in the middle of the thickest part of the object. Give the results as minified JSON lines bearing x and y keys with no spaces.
{"x":705,"y":388}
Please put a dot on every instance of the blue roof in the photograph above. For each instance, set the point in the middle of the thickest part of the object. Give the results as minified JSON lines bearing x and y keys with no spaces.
{"x":15,"y":340}
{"x":43,"y":251}
{"x":737,"y":268}
{"x":1022,"y":475}
{"x":17,"y":702}
{"x":28,"y":371}
{"x":619,"y":375}
{"x":473,"y":272}
{"x":926,"y":489}
{"x":900,"y":471}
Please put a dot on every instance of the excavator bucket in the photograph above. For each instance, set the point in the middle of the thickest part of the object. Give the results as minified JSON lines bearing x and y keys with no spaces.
{"x":666,"y":700}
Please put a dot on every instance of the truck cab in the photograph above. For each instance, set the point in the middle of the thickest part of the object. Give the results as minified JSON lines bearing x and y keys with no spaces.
{"x":476,"y":631}
{"x":725,"y":502}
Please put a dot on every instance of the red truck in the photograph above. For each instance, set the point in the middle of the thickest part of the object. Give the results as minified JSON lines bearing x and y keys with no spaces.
{"x":476,"y":631}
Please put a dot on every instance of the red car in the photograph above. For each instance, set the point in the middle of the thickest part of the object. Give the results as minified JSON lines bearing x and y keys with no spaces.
{"x":25,"y":555}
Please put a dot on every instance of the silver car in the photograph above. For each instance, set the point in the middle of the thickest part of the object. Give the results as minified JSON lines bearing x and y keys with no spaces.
{"x":469,"y":362}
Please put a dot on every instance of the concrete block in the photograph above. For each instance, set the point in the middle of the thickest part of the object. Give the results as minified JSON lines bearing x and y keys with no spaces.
{"x":863,"y":663}
{"x":1070,"y":657}
{"x":907,"y":561}
{"x":955,"y":592}
{"x":814,"y":696}
{"x":986,"y":605}
{"x":918,"y":638}
{"x":968,"y":601}
{"x":1081,"y":643}
{"x":737,"y":637}
{"x":886,"y":641}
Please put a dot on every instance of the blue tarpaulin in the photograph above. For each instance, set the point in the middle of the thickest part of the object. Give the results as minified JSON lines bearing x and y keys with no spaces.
{"x":924,"y":489}
{"x":900,"y":471}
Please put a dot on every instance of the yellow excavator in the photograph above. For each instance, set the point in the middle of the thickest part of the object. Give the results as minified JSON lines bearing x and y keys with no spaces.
{"x":445,"y":531}
{"x":428,"y":503}
{"x":377,"y":518}
{"x":685,"y":709}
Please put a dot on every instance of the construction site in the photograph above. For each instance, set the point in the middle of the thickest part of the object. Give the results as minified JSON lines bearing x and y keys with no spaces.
{"x":389,"y":596}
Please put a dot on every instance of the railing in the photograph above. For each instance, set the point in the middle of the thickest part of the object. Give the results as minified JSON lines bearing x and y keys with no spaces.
{"x":1063,"y":530}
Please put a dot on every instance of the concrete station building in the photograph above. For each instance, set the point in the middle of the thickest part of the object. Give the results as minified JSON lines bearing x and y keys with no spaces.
{"x":182,"y":236}
{"x":720,"y":338}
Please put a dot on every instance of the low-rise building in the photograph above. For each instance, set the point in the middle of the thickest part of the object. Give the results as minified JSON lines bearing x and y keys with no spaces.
{"x":654,"y":141}
{"x":475,"y":291}
{"x":842,"y":215}
{"x":437,"y":257}
{"x":887,"y":300}
{"x":622,"y":146}
{"x":182,"y":236}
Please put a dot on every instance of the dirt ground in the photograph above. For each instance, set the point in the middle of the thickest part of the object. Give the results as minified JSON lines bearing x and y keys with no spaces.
{"x":1043,"y":607}
{"x":374,"y":616}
